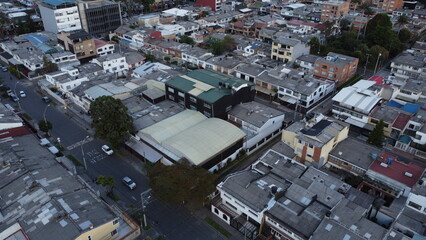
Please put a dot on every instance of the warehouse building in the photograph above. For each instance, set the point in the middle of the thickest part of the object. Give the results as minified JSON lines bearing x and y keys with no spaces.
{"x":205,"y":142}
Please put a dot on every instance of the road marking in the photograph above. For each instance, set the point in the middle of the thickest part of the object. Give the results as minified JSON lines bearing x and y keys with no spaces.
{"x":134,"y":198}
{"x":78,"y":144}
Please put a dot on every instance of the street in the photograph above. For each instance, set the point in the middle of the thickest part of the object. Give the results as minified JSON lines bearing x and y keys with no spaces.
{"x":173,"y":221}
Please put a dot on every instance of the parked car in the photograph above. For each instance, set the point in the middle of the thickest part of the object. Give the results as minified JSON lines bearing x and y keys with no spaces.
{"x":14,"y":98}
{"x":107,"y":150}
{"x":9,"y":92}
{"x":129,"y":183}
{"x":4,"y":69}
{"x":22,"y":94}
{"x":46,"y":99}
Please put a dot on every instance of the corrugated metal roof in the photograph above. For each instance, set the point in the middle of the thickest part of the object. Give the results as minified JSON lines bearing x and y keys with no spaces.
{"x":96,"y":92}
{"x":58,"y":2}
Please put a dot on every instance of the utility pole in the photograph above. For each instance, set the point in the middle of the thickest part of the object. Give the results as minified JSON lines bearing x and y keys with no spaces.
{"x":377,"y":63}
{"x":366,"y":64}
{"x":143,"y":211}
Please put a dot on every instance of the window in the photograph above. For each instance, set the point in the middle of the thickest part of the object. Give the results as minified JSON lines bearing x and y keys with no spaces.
{"x":89,"y":237}
{"x":311,"y":146}
{"x":171,"y":90}
{"x":324,"y":67}
{"x":114,"y":232}
{"x":115,"y":222}
{"x":208,"y":106}
{"x":193,"y":99}
{"x":228,"y":108}
{"x":414,"y":205}
{"x":225,"y":217}
{"x":309,"y":155}
{"x":171,"y":97}
{"x":181,"y":94}
{"x":216,"y":211}
{"x":300,"y":141}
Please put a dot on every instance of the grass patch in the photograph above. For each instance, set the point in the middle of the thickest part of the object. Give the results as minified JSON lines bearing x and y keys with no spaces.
{"x":218,"y":228}
{"x":74,"y":160}
{"x":26,"y":116}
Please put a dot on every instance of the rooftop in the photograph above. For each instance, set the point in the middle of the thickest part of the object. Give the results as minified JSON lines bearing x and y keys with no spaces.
{"x":360,"y":99}
{"x":355,"y":152}
{"x":397,"y":170}
{"x":254,"y":113}
{"x":336,"y":59}
{"x":208,"y":84}
{"x":414,"y":59}
{"x":319,"y":133}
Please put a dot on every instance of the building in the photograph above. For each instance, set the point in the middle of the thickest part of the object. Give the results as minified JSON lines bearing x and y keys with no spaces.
{"x":390,"y":177}
{"x":212,"y":93}
{"x":313,"y":141}
{"x":354,"y":104}
{"x":60,"y":15}
{"x":99,"y":17}
{"x":307,"y":61}
{"x":336,"y":67}
{"x":214,"y":4}
{"x":103,"y":48}
{"x":50,"y":199}
{"x":79,"y":42}
{"x":353,"y":156}
{"x":260,"y":123}
{"x":11,"y":125}
{"x":395,"y":119}
{"x":409,"y":65}
{"x":288,"y":50}
{"x":204,"y":142}
{"x":388,"y":6}
{"x":333,"y":10}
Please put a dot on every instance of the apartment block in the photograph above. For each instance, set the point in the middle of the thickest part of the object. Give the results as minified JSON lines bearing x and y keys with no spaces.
{"x":409,"y":64}
{"x":336,"y":67}
{"x":214,"y":4}
{"x":388,"y":5}
{"x":332,"y":11}
{"x":80,"y":43}
{"x":288,"y":50}
{"x":99,"y":17}
{"x":60,"y":15}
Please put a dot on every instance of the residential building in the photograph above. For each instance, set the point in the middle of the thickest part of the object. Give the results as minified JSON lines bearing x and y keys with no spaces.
{"x":353,"y":156}
{"x":204,"y":142}
{"x":313,"y":141}
{"x":148,"y":20}
{"x":214,"y":4}
{"x":99,"y":17}
{"x":113,"y":63}
{"x":11,"y":125}
{"x":307,"y":61}
{"x":65,"y":81}
{"x":80,"y":43}
{"x":409,"y":64}
{"x":192,"y":56}
{"x":388,"y":5}
{"x":260,"y":123}
{"x":336,"y":67}
{"x":354,"y":104}
{"x":134,"y":60}
{"x":60,"y":15}
{"x":212,"y":93}
{"x":387,"y":176}
{"x":395,"y":119}
{"x":103,"y":48}
{"x":333,"y":10}
{"x":288,"y":50}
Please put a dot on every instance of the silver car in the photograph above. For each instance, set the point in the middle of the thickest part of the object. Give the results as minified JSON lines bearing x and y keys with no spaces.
{"x":129,"y":183}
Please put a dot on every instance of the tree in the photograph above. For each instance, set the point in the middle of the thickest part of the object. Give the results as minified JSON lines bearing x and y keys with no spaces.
{"x":49,"y":66}
{"x":234,"y":20}
{"x":374,"y":52}
{"x":217,"y":48}
{"x":186,"y":39}
{"x":110,"y":120}
{"x":404,"y":35}
{"x":149,"y":57}
{"x":315,"y":45}
{"x":44,"y":126}
{"x":167,"y":58}
{"x":147,"y":4}
{"x":376,"y":137}
{"x":181,"y":183}
{"x":366,"y":8}
{"x":345,"y":24}
{"x":379,"y":32}
{"x":107,"y":182}
{"x":403,"y":19}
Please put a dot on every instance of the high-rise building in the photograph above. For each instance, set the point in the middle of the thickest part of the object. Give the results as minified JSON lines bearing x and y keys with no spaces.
{"x":99,"y":17}
{"x":333,"y":10}
{"x":60,"y":15}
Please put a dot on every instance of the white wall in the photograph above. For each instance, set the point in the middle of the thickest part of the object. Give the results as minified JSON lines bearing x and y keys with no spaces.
{"x":60,"y":20}
{"x":417,"y":199}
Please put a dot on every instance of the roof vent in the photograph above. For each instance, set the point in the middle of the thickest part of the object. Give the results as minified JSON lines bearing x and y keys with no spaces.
{"x":340,"y":153}
{"x":383,"y":164}
{"x":408,"y":174}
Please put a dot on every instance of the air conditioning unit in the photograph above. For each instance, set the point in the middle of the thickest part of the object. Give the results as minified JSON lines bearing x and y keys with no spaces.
{"x":408,"y":174}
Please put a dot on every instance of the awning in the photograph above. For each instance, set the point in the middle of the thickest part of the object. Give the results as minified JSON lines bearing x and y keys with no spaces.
{"x":144,"y":150}
{"x":355,"y":122}
{"x":265,"y":91}
{"x":289,"y":99}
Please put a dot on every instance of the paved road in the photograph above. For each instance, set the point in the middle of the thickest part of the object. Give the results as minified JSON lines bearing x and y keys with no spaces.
{"x":174,"y":222}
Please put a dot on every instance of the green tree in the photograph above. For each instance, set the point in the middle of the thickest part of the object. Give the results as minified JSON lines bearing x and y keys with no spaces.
{"x":49,"y":66}
{"x":366,"y":8}
{"x":234,"y":20}
{"x":44,"y":126}
{"x":110,"y":120}
{"x":217,"y":48}
{"x":315,"y":45}
{"x":403,"y":19}
{"x":147,"y":4}
{"x":374,"y":52}
{"x":229,"y":43}
{"x":167,"y":58}
{"x":376,"y":137}
{"x":149,"y":57}
{"x":107,"y":182}
{"x":379,"y":32}
{"x":181,"y":183}
{"x":404,"y":35}
{"x":186,"y":39}
{"x":345,"y":24}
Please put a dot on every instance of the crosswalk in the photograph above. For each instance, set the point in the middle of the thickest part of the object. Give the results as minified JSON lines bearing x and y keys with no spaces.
{"x":78,"y":144}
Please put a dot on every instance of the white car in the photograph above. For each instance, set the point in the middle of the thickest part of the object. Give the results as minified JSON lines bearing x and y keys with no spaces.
{"x":129,"y":183}
{"x":22,"y":94}
{"x":107,"y":150}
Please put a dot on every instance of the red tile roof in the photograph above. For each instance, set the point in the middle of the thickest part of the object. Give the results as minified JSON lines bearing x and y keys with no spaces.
{"x":396,"y":170}
{"x":14,"y":132}
{"x":378,"y":80}
{"x":401,"y":121}
{"x":99,"y":43}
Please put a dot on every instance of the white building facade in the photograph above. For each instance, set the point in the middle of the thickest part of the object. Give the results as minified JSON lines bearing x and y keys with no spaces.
{"x":60,"y":15}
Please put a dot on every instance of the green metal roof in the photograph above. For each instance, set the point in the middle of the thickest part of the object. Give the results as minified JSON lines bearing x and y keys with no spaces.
{"x":212,"y":78}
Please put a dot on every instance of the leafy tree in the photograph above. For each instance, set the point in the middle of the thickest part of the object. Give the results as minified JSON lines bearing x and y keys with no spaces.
{"x":5,"y":24}
{"x":217,"y":48}
{"x":234,"y":20}
{"x":315,"y":45}
{"x":204,"y":14}
{"x":49,"y":66}
{"x":110,"y":120}
{"x":149,"y":57}
{"x":345,"y":24}
{"x":147,"y":4}
{"x":403,"y":19}
{"x":404,"y":35}
{"x":44,"y":126}
{"x":379,"y":32}
{"x":167,"y":58}
{"x":374,"y":52}
{"x":366,"y":8}
{"x":181,"y":183}
{"x":376,"y":137}
{"x":107,"y":182}
{"x":186,"y":39}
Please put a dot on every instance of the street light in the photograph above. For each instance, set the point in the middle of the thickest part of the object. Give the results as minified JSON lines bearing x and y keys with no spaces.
{"x":82,"y":152}
{"x":14,"y":91}
{"x":377,"y":63}
{"x":44,"y":117}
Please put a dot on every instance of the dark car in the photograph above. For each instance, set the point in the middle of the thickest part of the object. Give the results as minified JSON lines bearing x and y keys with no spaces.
{"x":46,"y":99}
{"x":14,"y":98}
